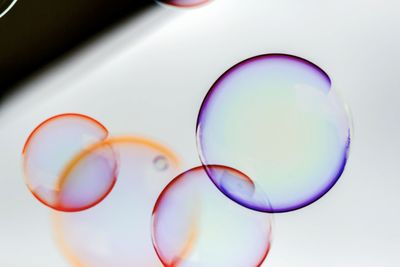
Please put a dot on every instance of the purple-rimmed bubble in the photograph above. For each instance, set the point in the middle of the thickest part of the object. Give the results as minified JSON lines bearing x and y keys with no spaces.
{"x":276,"y":118}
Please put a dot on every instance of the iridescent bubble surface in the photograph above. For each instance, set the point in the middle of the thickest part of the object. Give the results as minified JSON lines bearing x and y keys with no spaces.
{"x":50,"y":172}
{"x":276,"y":118}
{"x":5,"y":6}
{"x":184,"y":3}
{"x":117,"y":231}
{"x":196,"y":225}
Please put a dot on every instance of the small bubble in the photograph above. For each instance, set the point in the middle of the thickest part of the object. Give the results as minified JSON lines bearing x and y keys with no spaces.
{"x":160,"y":163}
{"x":194,"y":224}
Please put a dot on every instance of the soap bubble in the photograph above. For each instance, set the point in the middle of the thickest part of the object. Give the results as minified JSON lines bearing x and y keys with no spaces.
{"x":196,"y":225}
{"x":276,"y":118}
{"x":52,"y":175}
{"x":160,"y":163}
{"x":184,"y":3}
{"x":117,"y":231}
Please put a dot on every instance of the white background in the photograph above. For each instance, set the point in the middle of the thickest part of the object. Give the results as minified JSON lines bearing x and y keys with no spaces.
{"x":149,"y":76}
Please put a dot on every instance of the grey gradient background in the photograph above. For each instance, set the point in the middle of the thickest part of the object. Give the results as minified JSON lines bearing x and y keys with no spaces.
{"x":149,"y":76}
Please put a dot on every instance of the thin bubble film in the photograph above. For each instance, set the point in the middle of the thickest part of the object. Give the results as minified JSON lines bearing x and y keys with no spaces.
{"x":184,"y":3}
{"x":276,"y":118}
{"x":5,"y":6}
{"x":117,"y":231}
{"x":195,"y":225}
{"x":50,"y":172}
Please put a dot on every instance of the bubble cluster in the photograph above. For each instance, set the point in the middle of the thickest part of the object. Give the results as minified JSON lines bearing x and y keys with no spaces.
{"x":52,"y":175}
{"x":5,"y":6}
{"x":116,"y":232}
{"x":276,"y":118}
{"x":195,"y":225}
{"x":272,"y":136}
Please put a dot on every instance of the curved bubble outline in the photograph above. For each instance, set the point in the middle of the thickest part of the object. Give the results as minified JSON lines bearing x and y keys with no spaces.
{"x":8,"y":8}
{"x":205,"y":104}
{"x":202,"y":3}
{"x":176,"y":262}
{"x":67,"y":251}
{"x":68,"y":167}
{"x":74,"y":162}
{"x":81,"y":116}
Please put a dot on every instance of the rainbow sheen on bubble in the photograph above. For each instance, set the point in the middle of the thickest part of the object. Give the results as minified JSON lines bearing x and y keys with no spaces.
{"x":184,"y":3}
{"x":196,"y":225}
{"x":5,"y":6}
{"x":276,"y":118}
{"x":52,"y":175}
{"x":117,"y":231}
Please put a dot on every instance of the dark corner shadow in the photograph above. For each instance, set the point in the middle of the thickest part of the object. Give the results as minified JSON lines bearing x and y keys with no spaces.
{"x":36,"y":33}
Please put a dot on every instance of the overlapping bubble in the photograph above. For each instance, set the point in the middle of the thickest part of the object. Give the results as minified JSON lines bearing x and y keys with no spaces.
{"x":52,"y":176}
{"x":276,"y":118}
{"x":117,"y":231}
{"x":195,"y":225}
{"x":5,"y":6}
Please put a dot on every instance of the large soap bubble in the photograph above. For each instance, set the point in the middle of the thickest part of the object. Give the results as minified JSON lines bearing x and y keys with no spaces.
{"x":276,"y":118}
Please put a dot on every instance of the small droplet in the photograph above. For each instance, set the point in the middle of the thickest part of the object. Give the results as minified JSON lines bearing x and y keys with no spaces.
{"x":160,"y":163}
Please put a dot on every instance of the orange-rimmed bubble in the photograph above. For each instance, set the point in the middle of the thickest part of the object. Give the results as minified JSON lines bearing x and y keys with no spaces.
{"x":195,"y":225}
{"x":50,"y":173}
{"x":117,"y":231}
